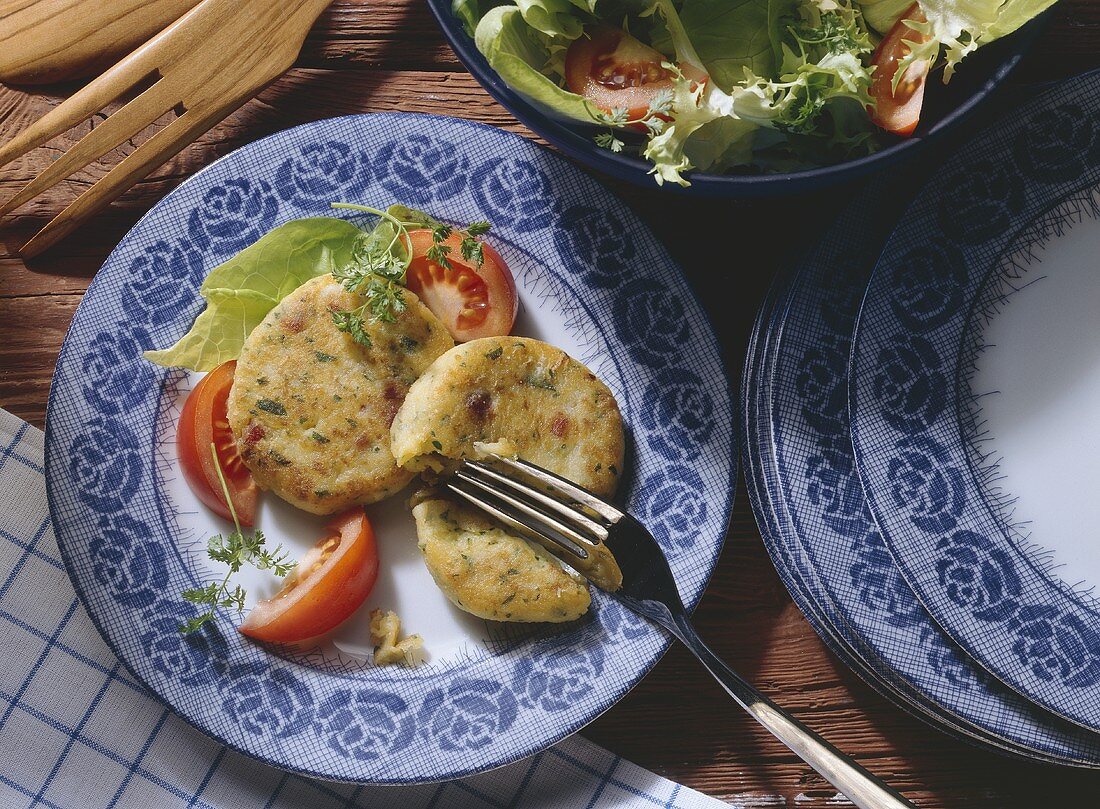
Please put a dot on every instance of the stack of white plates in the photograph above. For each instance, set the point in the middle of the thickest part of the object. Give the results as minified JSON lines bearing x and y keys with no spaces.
{"x":922,"y":413}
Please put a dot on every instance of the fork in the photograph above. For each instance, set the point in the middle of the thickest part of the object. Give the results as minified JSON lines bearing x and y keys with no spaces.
{"x":580,"y":529}
{"x":204,"y":65}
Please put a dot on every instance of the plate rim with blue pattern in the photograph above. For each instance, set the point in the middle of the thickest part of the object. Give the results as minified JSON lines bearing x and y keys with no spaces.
{"x":910,"y":332}
{"x":799,"y":386}
{"x":105,"y":409}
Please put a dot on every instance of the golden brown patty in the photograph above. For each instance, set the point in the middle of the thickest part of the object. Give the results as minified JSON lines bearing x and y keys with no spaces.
{"x":490,"y":573}
{"x":311,"y":408}
{"x":551,"y":408}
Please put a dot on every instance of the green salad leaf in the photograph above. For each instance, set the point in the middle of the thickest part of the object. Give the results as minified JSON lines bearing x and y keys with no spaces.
{"x":521,"y":54}
{"x":729,"y":36}
{"x":241,"y":291}
{"x":959,"y":27}
{"x":882,"y":14}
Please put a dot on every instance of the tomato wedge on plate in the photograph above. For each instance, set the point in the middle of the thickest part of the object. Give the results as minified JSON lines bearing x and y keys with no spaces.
{"x":898,"y":110}
{"x":204,"y":421}
{"x":328,"y":585}
{"x":614,"y":70}
{"x":471,"y":301}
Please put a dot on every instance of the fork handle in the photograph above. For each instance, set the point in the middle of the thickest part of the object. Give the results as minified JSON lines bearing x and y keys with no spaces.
{"x":860,"y":786}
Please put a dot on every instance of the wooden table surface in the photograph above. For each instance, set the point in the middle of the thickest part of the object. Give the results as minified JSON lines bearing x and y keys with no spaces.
{"x":371,"y":56}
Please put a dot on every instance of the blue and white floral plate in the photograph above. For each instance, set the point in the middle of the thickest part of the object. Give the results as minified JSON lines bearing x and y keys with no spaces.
{"x":801,"y":476}
{"x":974,"y":391}
{"x":591,"y":279}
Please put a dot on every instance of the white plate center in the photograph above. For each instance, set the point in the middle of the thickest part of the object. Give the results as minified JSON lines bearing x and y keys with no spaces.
{"x":1039,"y":381}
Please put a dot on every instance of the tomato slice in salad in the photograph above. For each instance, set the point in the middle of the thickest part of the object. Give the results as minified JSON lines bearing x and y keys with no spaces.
{"x":614,"y":70}
{"x":898,"y":110}
{"x":472,"y":301}
{"x":204,"y":421}
{"x":328,"y":585}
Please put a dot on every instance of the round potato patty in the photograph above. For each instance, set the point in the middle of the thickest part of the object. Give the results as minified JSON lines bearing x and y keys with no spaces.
{"x":549,"y":407}
{"x":311,"y":408}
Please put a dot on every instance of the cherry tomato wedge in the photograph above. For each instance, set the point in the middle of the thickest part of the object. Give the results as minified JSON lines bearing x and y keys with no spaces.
{"x":204,"y":421}
{"x":328,"y":585}
{"x":471,"y":301}
{"x":898,"y":111}
{"x":614,"y":70}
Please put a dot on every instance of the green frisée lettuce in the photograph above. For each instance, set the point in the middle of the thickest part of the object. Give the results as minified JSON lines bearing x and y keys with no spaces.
{"x":789,"y":81}
{"x":959,"y":27}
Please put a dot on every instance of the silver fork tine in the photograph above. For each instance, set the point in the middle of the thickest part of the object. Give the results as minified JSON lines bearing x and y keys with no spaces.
{"x":561,"y":546}
{"x":564,"y":489}
{"x":524,"y":490}
{"x":542,"y":521}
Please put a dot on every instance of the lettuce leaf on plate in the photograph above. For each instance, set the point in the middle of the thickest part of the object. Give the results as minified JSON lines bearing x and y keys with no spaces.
{"x":240,"y":292}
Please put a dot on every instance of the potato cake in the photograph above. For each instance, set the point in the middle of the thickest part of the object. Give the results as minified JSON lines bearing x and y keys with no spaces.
{"x":311,"y":408}
{"x":552,"y":409}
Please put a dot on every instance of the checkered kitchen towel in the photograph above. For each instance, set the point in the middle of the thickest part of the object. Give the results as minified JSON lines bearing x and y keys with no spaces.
{"x":77,"y":731}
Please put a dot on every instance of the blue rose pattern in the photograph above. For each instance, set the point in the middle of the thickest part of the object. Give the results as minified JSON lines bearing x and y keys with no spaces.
{"x":678,"y":414}
{"x":927,"y":286}
{"x":1056,"y":646}
{"x":833,"y":487}
{"x":420,"y":170}
{"x":322,"y":173}
{"x":514,"y":193}
{"x":925,"y":486}
{"x":908,"y":385}
{"x":467,"y":714}
{"x":650,"y":321}
{"x":1058,"y":144}
{"x":195,"y":659}
{"x":979,"y":202}
{"x":364,"y":725}
{"x":671,"y":505}
{"x":977,"y":575}
{"x":822,"y":387}
{"x":267,"y":700}
{"x":597,"y":242}
{"x":619,"y":623}
{"x":116,"y":376}
{"x":950,"y":661}
{"x":105,"y":465}
{"x":558,"y":674}
{"x":130,"y":566}
{"x":879,"y":583}
{"x":233,"y":215}
{"x":164,"y":279}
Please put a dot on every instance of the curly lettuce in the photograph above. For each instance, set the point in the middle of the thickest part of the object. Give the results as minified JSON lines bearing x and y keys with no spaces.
{"x":959,"y":27}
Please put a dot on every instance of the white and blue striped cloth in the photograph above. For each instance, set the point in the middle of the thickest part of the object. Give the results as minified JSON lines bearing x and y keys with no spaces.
{"x":77,"y":731}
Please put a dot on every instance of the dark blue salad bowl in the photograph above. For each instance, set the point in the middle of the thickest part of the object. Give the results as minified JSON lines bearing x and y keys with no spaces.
{"x":945,"y":107}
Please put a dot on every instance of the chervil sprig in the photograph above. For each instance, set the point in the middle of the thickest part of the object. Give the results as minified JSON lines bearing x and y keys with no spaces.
{"x":377,"y":270}
{"x":234,"y":550}
{"x":654,"y":119}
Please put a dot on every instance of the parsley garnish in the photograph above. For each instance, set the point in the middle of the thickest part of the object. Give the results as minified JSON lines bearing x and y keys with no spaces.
{"x":654,"y":119}
{"x":234,"y":550}
{"x":378,"y":267}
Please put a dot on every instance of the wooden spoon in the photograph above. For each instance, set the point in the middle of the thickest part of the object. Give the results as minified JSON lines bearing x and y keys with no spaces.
{"x":44,"y":41}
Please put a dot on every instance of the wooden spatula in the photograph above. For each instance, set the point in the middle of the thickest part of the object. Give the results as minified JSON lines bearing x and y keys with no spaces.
{"x":43,"y":41}
{"x":207,"y":63}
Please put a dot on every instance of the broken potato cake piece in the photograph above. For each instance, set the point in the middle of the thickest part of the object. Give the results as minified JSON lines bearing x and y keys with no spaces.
{"x":311,"y":408}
